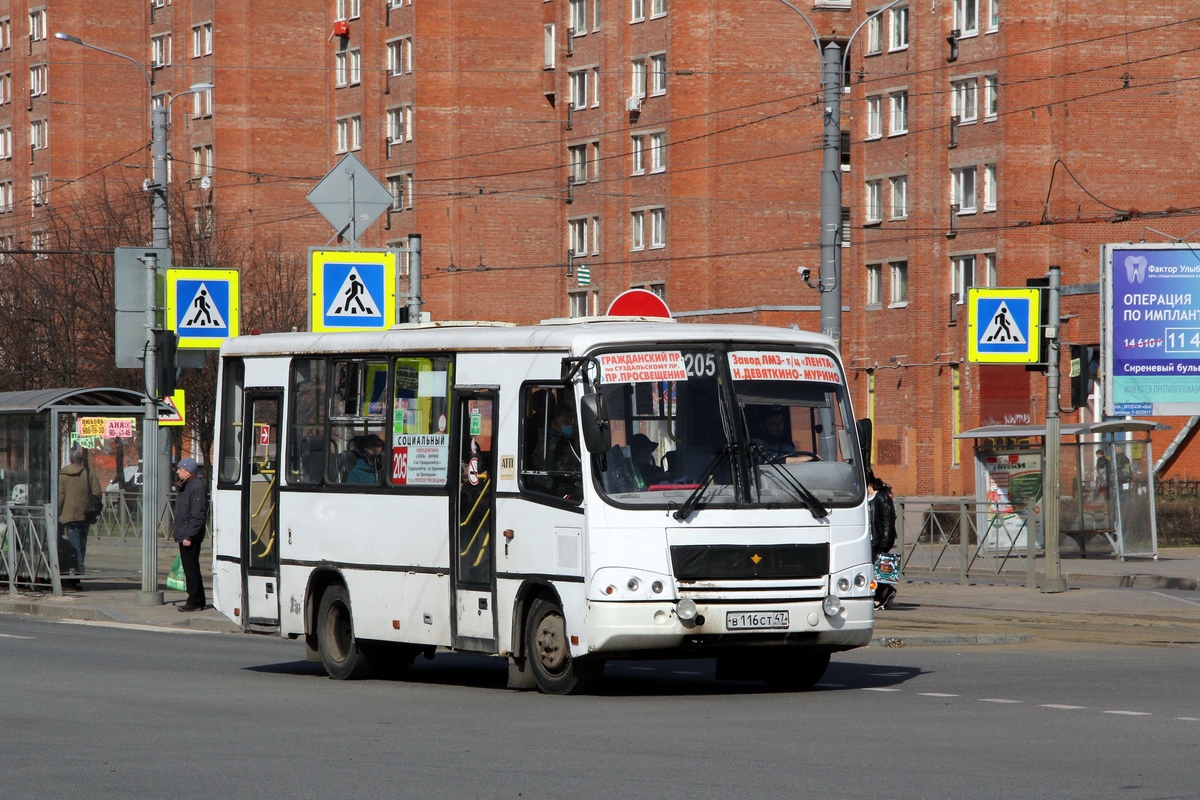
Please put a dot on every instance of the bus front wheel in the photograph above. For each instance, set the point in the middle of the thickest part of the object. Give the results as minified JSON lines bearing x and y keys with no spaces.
{"x":549,"y":653}
{"x":343,"y":655}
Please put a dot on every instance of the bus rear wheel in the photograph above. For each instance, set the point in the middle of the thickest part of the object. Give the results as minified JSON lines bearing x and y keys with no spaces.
{"x":549,"y":653}
{"x":344,"y":657}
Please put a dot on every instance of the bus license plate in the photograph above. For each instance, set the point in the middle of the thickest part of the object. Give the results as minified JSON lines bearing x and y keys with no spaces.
{"x":755,"y":620}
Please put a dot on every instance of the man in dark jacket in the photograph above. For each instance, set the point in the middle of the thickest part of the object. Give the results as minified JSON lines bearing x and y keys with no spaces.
{"x":191,"y":510}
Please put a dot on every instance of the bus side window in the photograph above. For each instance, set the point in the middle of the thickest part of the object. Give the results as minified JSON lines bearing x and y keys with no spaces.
{"x":550,"y":463}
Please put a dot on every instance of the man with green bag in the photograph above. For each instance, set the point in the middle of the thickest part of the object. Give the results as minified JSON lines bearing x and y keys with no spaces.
{"x":191,"y":511}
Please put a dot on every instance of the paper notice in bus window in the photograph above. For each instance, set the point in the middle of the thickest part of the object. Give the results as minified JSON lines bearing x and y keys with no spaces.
{"x":758,"y":365}
{"x":646,"y":367}
{"x":432,"y":384}
{"x":420,"y":460}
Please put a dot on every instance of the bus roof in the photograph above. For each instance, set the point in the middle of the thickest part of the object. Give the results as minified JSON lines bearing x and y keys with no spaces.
{"x":575,"y":337}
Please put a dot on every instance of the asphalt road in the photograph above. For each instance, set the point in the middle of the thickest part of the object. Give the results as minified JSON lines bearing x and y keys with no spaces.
{"x":105,"y":711}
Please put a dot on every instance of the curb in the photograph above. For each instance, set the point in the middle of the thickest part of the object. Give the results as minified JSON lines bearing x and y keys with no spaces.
{"x":950,"y":639}
{"x":34,"y":609}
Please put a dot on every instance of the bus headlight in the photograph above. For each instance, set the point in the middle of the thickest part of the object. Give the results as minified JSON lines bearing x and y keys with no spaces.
{"x":860,"y":580}
{"x":832,"y":606}
{"x":633,"y":584}
{"x":686,"y":609}
{"x":843,"y":584}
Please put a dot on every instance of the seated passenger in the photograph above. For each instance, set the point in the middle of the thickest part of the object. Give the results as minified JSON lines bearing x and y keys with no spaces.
{"x":642,"y":449}
{"x":366,"y":470}
{"x":558,"y":456}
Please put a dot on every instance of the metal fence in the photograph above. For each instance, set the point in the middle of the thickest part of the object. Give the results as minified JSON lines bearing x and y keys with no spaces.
{"x":965,"y":539}
{"x":26,"y":557}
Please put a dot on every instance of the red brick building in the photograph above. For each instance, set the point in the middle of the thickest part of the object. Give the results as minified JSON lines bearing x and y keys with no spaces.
{"x":553,"y":154}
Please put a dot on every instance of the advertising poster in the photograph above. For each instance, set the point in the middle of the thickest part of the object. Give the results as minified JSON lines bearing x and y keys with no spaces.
{"x":1152,"y":338}
{"x":1014,"y":478}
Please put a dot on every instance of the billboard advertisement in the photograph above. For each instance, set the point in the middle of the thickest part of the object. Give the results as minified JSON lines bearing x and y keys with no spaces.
{"x":1152,"y":330}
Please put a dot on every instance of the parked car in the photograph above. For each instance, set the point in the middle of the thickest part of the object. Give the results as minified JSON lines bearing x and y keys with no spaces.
{"x":133,"y":480}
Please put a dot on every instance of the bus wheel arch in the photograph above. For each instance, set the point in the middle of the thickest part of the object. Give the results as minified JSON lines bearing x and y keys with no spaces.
{"x":344,"y":655}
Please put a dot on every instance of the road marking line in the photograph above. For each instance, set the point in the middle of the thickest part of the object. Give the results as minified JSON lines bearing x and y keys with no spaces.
{"x":1130,"y":713}
{"x":1180,"y":599}
{"x":998,"y":700}
{"x":1189,"y":719}
{"x":879,"y":689}
{"x":13,"y":636}
{"x":1060,"y":705}
{"x":128,"y":626}
{"x":936,"y":694}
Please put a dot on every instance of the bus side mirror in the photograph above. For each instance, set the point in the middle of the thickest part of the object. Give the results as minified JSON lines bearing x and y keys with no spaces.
{"x":593,"y":423}
{"x":865,"y":434}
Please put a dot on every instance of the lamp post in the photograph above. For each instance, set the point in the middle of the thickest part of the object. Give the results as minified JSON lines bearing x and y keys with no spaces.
{"x":150,"y":594}
{"x":833,"y":65}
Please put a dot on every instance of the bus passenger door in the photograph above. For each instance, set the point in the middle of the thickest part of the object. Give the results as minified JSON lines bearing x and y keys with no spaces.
{"x":473,"y":524}
{"x":260,"y":511}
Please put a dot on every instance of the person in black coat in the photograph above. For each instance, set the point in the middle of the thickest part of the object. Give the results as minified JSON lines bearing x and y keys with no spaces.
{"x":191,"y":511}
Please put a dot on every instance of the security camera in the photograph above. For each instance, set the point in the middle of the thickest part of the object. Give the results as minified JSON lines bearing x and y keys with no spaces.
{"x":805,"y":272}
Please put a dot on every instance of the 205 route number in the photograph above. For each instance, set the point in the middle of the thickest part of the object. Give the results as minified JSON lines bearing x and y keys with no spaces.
{"x":755,"y":620}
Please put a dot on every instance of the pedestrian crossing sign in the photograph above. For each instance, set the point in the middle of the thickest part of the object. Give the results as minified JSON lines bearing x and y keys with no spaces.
{"x":202,"y":306}
{"x":352,"y":290}
{"x":1002,"y":326}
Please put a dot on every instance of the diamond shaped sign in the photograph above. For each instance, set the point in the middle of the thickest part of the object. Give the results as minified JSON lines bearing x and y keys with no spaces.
{"x":350,"y":197}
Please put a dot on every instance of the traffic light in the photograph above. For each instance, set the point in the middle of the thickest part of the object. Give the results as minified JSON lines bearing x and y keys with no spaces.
{"x":1082,"y":357}
{"x":1043,"y":343}
{"x":165,"y":366}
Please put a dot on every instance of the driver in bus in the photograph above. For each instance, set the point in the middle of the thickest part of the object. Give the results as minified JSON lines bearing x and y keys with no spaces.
{"x":773,"y":442}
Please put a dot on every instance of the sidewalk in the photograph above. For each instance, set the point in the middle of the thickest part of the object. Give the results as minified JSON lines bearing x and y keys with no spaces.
{"x":1099,"y":605}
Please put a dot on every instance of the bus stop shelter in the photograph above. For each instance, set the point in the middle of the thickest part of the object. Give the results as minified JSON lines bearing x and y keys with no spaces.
{"x":1106,"y":484}
{"x":39,"y":430}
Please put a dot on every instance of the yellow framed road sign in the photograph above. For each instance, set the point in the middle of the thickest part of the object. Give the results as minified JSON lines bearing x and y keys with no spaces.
{"x":352,"y":290}
{"x":1003,"y":326}
{"x":177,"y":415}
{"x":202,"y":306}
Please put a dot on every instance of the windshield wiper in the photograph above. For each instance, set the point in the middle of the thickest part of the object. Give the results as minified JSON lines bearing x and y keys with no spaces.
{"x":810,"y":500}
{"x":705,"y":480}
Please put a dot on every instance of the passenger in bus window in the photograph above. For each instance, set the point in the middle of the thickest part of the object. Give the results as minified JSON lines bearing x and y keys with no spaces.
{"x":558,"y":454}
{"x":366,"y":470}
{"x":642,"y":448}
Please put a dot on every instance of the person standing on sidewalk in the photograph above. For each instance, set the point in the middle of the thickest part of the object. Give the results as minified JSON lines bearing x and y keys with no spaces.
{"x":191,"y":511}
{"x":76,"y":484}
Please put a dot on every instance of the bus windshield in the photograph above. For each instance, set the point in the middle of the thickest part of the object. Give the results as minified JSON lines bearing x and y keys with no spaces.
{"x":736,"y":426}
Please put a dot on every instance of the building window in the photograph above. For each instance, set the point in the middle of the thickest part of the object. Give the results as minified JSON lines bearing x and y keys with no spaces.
{"x":347,"y":9}
{"x":595,"y":87}
{"x":991,"y":96}
{"x":6,"y":197}
{"x":39,"y":80}
{"x":658,"y":74}
{"x":658,"y":227}
{"x":966,"y":17}
{"x":874,"y":117}
{"x":844,"y":150}
{"x":577,"y":156}
{"x":638,"y":152}
{"x":341,"y":62}
{"x":202,"y":160}
{"x":639,"y":11}
{"x":578,"y":233}
{"x":5,"y":33}
{"x":343,"y":135}
{"x":989,"y":187}
{"x":39,"y":244}
{"x":579,"y":87}
{"x":963,"y":189}
{"x":160,"y":50}
{"x":37,"y":25}
{"x":899,"y":102}
{"x":658,"y":152}
{"x":845,"y":226}
{"x":638,"y":73}
{"x":899,"y":28}
{"x":579,"y":17}
{"x":899,"y":294}
{"x":899,"y":196}
{"x":873,"y":205}
{"x":6,"y":143}
{"x":6,"y":88}
{"x":874,"y":292}
{"x":39,"y":134}
{"x":400,"y":124}
{"x":39,"y":187}
{"x":355,"y":65}
{"x":658,"y":8}
{"x":962,"y":276}
{"x":202,"y":103}
{"x":399,"y":56}
{"x":548,"y":47}
{"x":637,"y":230}
{"x":580,"y":302}
{"x":401,"y":188}
{"x":965,"y":106}
{"x":202,"y":40}
{"x":874,"y":35}
{"x":989,"y":269}
{"x":993,"y":15}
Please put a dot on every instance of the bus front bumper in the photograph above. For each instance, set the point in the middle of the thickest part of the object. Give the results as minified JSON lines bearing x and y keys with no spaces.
{"x":616,"y":627}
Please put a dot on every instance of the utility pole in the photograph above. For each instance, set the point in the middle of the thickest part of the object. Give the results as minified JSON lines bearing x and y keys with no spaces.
{"x":1052,"y":581}
{"x":830,"y":284}
{"x":414,"y":278}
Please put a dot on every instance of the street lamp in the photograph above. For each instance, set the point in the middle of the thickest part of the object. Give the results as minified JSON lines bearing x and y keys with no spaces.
{"x":150,"y":594}
{"x":833,"y":65}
